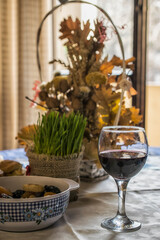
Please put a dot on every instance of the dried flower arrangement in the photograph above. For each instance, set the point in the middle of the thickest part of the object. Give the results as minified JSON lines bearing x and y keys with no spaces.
{"x":90,"y":88}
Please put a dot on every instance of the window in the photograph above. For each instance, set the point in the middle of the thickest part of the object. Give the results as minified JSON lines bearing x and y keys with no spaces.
{"x":153,"y":46}
{"x":153,"y":73}
{"x":123,"y":19}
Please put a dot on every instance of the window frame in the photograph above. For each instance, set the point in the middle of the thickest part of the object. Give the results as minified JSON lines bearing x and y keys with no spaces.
{"x":139,"y":52}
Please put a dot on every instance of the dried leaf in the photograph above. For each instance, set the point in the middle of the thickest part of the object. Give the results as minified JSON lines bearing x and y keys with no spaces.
{"x":135,"y":117}
{"x":109,"y":94}
{"x":112,"y":79}
{"x":40,"y":107}
{"x":133,"y":91}
{"x":73,"y":25}
{"x":125,"y":118}
{"x":86,"y":30}
{"x":103,"y":117}
{"x":26,"y":135}
{"x":128,"y":139}
{"x":107,"y":66}
{"x":68,"y":26}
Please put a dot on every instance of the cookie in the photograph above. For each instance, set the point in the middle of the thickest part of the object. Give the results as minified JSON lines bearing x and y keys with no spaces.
{"x":17,"y":172}
{"x":32,"y":196}
{"x":49,"y":194}
{"x":33,"y":188}
{"x":9,"y":166}
{"x":26,"y":194}
{"x":4,"y":190}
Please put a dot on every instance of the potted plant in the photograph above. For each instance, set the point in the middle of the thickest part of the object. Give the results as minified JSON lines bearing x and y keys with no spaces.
{"x":57,"y":145}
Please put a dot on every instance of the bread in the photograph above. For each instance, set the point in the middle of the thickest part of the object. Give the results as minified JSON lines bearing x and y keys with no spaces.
{"x":9,"y":167}
{"x":17,"y":172}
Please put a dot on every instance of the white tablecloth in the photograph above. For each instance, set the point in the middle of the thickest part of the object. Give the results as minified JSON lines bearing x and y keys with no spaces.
{"x":99,"y":200}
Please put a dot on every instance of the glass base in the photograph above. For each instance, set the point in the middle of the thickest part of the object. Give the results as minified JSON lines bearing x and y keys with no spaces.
{"x":120,"y":224}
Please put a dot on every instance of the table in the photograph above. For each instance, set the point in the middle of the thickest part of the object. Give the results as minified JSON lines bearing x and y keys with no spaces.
{"x":99,"y":200}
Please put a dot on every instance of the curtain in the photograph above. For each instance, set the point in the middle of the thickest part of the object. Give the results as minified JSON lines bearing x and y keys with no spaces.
{"x":19,"y":23}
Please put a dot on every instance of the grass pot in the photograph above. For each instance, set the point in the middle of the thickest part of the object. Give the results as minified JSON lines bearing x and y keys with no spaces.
{"x":57,"y":167}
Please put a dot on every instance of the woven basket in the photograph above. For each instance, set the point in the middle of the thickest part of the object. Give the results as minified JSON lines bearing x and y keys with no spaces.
{"x":58,"y":167}
{"x":52,"y":166}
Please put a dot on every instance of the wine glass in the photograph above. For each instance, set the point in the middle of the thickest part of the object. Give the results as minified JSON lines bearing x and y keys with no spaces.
{"x":122,"y":152}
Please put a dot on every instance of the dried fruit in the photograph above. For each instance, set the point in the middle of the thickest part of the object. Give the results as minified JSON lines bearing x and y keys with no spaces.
{"x":50,"y":188}
{"x":77,"y":104}
{"x":63,"y":86}
{"x":43,"y":95}
{"x":52,"y":102}
{"x":91,"y":105}
{"x":18,"y":193}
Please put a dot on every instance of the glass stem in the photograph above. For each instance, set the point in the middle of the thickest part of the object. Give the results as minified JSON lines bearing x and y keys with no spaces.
{"x":122,"y":187}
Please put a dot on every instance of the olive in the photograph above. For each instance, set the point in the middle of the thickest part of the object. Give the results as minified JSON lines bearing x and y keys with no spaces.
{"x":51,"y":189}
{"x":18,"y":193}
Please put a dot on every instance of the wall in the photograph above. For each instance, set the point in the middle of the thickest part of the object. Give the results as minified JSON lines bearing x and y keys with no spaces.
{"x":153,"y":115}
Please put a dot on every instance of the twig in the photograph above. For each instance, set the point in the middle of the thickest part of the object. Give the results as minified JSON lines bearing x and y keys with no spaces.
{"x":36,"y":102}
{"x":58,"y":61}
{"x":116,"y":121}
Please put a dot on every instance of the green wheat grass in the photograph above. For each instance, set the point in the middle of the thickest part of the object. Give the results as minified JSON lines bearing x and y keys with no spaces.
{"x":59,"y":135}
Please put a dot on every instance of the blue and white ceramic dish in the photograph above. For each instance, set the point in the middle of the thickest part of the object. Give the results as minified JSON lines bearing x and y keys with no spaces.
{"x":31,"y":214}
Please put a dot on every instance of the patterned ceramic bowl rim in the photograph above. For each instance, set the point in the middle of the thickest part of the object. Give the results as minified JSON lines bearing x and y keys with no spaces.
{"x":67,"y":183}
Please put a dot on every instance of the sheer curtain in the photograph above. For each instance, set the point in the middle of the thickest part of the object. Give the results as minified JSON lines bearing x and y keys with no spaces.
{"x":19,"y":22}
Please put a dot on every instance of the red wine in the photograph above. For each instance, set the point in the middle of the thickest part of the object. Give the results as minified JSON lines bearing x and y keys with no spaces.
{"x":122,"y":164}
